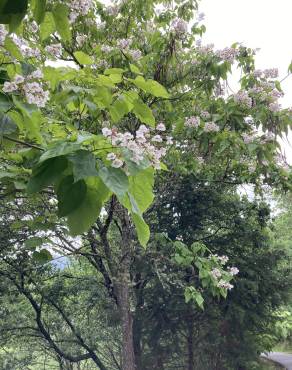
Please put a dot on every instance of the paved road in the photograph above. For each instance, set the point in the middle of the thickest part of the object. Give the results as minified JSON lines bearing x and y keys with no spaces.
{"x":284,"y":359}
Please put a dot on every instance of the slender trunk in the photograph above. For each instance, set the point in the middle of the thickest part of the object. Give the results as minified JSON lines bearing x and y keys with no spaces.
{"x":128,"y":356}
{"x":137,"y":331}
{"x":190,"y":343}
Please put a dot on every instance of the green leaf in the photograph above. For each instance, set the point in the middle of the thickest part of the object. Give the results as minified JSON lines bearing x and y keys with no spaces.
{"x":114,"y":71}
{"x":84,"y":164}
{"x":48,"y":27}
{"x":46,"y":173}
{"x":5,"y":102}
{"x":43,"y":256}
{"x":150,"y":86}
{"x":142,"y":229}
{"x":12,"y":49}
{"x":12,"y":12}
{"x":119,"y":109}
{"x":83,"y":58}
{"x":70,"y":195}
{"x":59,"y":149}
{"x":156,"y":89}
{"x":34,"y":242}
{"x":39,"y":10}
{"x":144,"y":113}
{"x":103,"y":97}
{"x":87,"y":213}
{"x":141,"y":187}
{"x":61,"y":18}
{"x":7,"y":125}
{"x":135,"y":69}
{"x":115,"y":179}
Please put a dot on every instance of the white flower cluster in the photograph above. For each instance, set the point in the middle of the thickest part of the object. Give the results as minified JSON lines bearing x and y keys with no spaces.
{"x":33,"y":90}
{"x":179,"y":26}
{"x":222,"y":259}
{"x":242,"y":98}
{"x":233,"y":271}
{"x":24,"y":47}
{"x":135,"y":54}
{"x":211,"y":127}
{"x":216,"y":273}
{"x":267,"y":73}
{"x":124,"y":43}
{"x":248,"y":138}
{"x":112,"y":10}
{"x":192,"y":122}
{"x":205,"y":115}
{"x":55,"y":50}
{"x":106,"y":49}
{"x":282,"y":161}
{"x":3,"y":34}
{"x":227,"y":54}
{"x":225,"y":285}
{"x":268,"y":137}
{"x":204,"y":49}
{"x":274,"y":107}
{"x":80,"y":8}
{"x":140,"y":146}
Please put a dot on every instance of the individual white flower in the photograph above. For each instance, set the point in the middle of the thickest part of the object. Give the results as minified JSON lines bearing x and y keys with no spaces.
{"x":223,"y":259}
{"x":106,"y":131}
{"x":54,"y":49}
{"x":205,"y":115}
{"x":124,"y":43}
{"x":248,"y":138}
{"x":169,"y":140}
{"x":9,"y":87}
{"x":233,"y":270}
{"x":37,"y":74}
{"x":135,"y":54}
{"x":111,"y":156}
{"x":81,"y":39}
{"x":211,"y":127}
{"x":225,"y":285}
{"x":106,"y":48}
{"x":157,"y":139}
{"x":117,"y":163}
{"x":216,"y":273}
{"x":18,"y":79}
{"x":161,"y":126}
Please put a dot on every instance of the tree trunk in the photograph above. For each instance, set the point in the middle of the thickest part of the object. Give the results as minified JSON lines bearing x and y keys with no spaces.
{"x":124,"y":280}
{"x":190,"y":343}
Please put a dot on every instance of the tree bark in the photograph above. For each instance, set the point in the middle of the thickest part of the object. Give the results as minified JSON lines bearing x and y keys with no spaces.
{"x":124,"y":279}
{"x":190,"y":344}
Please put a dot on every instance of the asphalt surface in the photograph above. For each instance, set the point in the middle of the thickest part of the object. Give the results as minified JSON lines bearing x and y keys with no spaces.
{"x":285,"y":359}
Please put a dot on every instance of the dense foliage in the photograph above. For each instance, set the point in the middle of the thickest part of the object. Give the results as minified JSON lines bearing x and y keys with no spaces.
{"x":97,"y":102}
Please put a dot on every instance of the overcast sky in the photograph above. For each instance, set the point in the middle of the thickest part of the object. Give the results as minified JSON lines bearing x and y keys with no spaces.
{"x":264,"y":24}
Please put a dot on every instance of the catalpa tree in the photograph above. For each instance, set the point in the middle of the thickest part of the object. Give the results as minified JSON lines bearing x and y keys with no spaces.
{"x":96,"y":99}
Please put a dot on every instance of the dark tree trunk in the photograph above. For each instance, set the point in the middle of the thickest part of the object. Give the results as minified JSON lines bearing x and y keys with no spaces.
{"x":190,"y":344}
{"x":124,"y":280}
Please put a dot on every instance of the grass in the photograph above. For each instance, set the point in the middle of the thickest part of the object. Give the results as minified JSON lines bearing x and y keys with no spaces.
{"x":283,"y":347}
